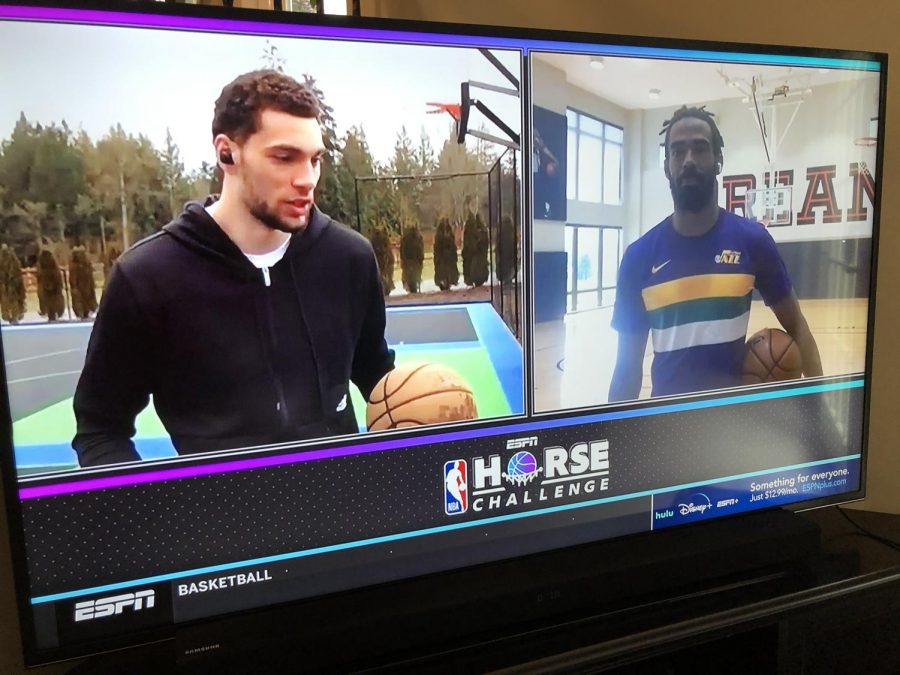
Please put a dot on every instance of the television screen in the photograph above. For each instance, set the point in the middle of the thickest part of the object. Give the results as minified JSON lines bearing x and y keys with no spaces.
{"x":292,"y":308}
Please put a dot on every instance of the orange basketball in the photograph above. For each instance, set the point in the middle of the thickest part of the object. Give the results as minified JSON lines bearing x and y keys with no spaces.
{"x":771,"y":356}
{"x":414,"y":394}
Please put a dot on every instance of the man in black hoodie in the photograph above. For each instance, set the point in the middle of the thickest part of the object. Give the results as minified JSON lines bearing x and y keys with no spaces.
{"x":247,"y":317}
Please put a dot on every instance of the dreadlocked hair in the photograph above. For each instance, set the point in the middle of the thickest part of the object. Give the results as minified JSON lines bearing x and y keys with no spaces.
{"x":700,"y":113}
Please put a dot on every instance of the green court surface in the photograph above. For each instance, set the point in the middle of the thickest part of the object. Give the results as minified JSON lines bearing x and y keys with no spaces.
{"x":52,"y":428}
{"x":56,"y":424}
{"x":469,"y":338}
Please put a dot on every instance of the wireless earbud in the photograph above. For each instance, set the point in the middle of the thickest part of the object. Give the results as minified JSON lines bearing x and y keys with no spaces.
{"x":225,"y":157}
{"x":718,"y":167}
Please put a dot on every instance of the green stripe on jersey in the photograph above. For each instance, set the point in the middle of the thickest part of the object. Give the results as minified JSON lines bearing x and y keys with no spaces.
{"x":693,"y":311}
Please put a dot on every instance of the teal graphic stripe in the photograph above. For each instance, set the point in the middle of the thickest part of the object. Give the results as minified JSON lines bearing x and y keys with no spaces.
{"x":215,"y":569}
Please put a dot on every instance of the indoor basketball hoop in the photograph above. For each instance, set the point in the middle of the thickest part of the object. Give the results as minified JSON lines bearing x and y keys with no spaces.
{"x":866,"y":141}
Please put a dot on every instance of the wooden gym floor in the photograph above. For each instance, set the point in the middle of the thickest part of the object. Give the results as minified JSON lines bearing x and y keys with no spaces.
{"x":574,"y":358}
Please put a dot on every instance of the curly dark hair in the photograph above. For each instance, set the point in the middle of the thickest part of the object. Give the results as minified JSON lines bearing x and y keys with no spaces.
{"x":700,"y":113}
{"x":242,"y":100}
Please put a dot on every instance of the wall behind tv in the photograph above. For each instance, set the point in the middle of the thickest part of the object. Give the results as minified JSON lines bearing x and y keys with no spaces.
{"x":868,"y":26}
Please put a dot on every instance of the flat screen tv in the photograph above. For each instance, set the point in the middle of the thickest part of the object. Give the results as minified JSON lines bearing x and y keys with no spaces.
{"x":296,"y":310}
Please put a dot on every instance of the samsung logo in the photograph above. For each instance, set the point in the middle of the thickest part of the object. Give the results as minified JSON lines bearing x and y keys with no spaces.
{"x":201,"y":650}
{"x":114,"y":604}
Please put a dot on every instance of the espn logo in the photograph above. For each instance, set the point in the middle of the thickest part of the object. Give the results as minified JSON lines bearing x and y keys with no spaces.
{"x":519,"y":443}
{"x":114,"y":604}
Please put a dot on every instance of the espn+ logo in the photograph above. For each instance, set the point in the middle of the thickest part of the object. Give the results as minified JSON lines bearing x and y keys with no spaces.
{"x":114,"y":604}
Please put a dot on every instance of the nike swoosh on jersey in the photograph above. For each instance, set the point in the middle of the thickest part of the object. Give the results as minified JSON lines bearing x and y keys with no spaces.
{"x":657,"y":268}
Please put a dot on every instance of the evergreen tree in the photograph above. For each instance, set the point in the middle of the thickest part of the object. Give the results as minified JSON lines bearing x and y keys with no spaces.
{"x":112,"y":254}
{"x":40,"y":165}
{"x":12,"y":287}
{"x":384,"y":254}
{"x":356,"y":161}
{"x":426,"y":163}
{"x":403,"y":163}
{"x":327,"y":194}
{"x":505,"y":253}
{"x":173,"y":179}
{"x":150,"y":195}
{"x":86,"y":221}
{"x":81,"y":283}
{"x":16,"y":160}
{"x":384,"y":208}
{"x":465,"y":193}
{"x":57,"y":174}
{"x":51,"y":302}
{"x":475,"y":250}
{"x":446,"y":268}
{"x":468,"y":247}
{"x":31,"y":217}
{"x":128,"y":183}
{"x":207,"y":180}
{"x":425,"y":200}
{"x":412,"y":257}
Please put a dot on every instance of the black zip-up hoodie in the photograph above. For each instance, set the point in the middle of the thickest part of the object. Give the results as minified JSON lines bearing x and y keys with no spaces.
{"x":232,"y":357}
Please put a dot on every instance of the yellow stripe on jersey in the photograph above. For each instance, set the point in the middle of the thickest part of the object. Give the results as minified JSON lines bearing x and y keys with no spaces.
{"x":697,"y":287}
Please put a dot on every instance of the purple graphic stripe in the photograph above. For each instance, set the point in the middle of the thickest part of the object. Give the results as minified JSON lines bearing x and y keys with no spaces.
{"x":242,"y":26}
{"x":401,"y":443}
{"x":394,"y":36}
{"x":248,"y":464}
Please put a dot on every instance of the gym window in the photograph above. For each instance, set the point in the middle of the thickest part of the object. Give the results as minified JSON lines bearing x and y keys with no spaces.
{"x":594,"y":253}
{"x":594,"y":159}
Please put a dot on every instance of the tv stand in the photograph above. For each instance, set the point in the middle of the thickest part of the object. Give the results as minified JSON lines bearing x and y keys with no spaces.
{"x":836,"y":611}
{"x":774,"y":593}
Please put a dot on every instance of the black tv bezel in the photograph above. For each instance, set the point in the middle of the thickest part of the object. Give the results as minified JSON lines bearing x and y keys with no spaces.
{"x":168,"y":634}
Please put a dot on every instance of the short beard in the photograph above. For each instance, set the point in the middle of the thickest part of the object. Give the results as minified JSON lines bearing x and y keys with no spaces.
{"x":694,"y":198}
{"x":262,"y":213}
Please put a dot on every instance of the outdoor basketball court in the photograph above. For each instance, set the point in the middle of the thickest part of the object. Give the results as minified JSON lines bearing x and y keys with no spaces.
{"x":43,"y":363}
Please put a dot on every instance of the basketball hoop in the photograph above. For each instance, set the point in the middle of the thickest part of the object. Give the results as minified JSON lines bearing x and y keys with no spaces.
{"x":866,"y":141}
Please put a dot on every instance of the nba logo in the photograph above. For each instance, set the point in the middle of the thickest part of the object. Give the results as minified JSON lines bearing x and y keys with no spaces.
{"x":456,"y":494}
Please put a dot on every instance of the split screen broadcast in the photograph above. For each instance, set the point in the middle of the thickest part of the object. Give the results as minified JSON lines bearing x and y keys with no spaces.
{"x":421,"y":291}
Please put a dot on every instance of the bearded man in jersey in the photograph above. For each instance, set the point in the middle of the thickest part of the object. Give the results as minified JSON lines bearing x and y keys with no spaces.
{"x":688,"y":282}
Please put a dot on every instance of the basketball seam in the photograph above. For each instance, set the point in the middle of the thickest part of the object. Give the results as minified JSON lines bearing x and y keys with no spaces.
{"x":384,"y":400}
{"x":388,"y":407}
{"x":406,"y":379}
{"x":771,"y":355}
{"x":434,"y":393}
{"x":786,"y":349}
{"x":762,"y":365}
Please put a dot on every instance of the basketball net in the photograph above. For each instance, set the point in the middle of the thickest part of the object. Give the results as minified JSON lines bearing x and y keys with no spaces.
{"x":522,"y":478}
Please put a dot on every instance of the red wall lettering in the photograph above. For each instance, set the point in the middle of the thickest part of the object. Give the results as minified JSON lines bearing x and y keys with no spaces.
{"x":736,"y":191}
{"x":862,"y":182}
{"x":820,"y":194}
